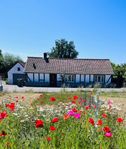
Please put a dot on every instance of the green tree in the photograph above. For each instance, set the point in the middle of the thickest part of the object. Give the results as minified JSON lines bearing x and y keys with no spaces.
{"x":63,"y":49}
{"x":119,"y":74}
{"x":7,"y":61}
{"x":10,"y":60}
{"x":1,"y":61}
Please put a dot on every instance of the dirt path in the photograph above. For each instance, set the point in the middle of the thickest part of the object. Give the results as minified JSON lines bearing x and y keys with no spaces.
{"x":117,"y":102}
{"x":28,"y":97}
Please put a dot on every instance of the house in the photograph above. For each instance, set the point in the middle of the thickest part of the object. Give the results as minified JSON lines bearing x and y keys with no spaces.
{"x":53,"y":72}
{"x":16,"y":72}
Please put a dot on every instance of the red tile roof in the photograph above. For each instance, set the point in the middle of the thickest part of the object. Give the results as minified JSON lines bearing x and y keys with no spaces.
{"x":69,"y":66}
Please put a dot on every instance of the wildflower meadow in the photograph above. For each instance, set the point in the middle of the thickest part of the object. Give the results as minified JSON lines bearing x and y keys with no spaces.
{"x":61,"y":121}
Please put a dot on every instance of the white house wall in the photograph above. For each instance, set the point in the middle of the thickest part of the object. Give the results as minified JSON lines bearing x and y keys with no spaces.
{"x":36,"y":78}
{"x":77,"y":78}
{"x":47,"y":78}
{"x":107,"y":77}
{"x":92,"y":78}
{"x":87,"y":79}
{"x":82,"y":78}
{"x":14,"y":70}
{"x":30,"y":75}
{"x":59,"y":77}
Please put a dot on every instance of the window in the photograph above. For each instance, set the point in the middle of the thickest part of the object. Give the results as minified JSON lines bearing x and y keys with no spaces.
{"x":18,"y":69}
{"x":69,"y":78}
{"x":99,"y":78}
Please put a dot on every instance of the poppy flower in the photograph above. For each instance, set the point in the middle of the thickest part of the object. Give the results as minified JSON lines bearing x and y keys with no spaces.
{"x":100,"y":122}
{"x":75,"y":97}
{"x":54,"y":120}
{"x":52,"y":99}
{"x":120,"y":120}
{"x":3,"y":115}
{"x":71,"y":113}
{"x":104,"y":115}
{"x":73,"y":102}
{"x":52,"y":128}
{"x":77,"y":115}
{"x":3,"y":133}
{"x":49,"y":139}
{"x":106,"y":129}
{"x":66,"y":116}
{"x":87,"y":107}
{"x":11,"y":106}
{"x":108,"y":134}
{"x":39,"y":123}
{"x":91,"y":121}
{"x":74,"y":110}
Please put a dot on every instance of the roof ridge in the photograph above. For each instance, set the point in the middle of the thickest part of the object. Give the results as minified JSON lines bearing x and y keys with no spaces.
{"x":70,"y":58}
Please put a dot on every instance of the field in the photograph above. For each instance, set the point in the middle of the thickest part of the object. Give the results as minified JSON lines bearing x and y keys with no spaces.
{"x":64,"y":120}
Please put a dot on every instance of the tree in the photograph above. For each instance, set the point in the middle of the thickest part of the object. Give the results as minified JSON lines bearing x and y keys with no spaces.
{"x":7,"y":61}
{"x":1,"y":61}
{"x":63,"y":49}
{"x":119,"y":74}
{"x":10,"y":60}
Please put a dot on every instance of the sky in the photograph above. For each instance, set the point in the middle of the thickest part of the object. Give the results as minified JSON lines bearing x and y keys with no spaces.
{"x":97,"y":27}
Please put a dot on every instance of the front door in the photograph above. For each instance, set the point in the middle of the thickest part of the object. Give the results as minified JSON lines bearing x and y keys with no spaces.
{"x":53,"y":79}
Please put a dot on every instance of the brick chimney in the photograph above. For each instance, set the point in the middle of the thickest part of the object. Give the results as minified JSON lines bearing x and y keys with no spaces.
{"x":46,"y":57}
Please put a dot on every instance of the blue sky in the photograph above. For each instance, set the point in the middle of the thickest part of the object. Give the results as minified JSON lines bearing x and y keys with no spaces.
{"x":97,"y":27}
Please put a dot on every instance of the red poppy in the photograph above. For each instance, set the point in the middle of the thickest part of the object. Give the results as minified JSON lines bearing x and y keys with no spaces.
{"x":49,"y":138}
{"x":66,"y":116}
{"x":3,"y":133}
{"x":73,"y":102}
{"x":120,"y":120}
{"x":52,"y":128}
{"x":54,"y":120}
{"x":11,"y":106}
{"x":74,"y":110}
{"x":106,"y":129}
{"x":3,"y":115}
{"x":91,"y":121}
{"x":87,"y":107}
{"x":100,"y":122}
{"x":39,"y":123}
{"x":104,"y":115}
{"x":75,"y":97}
{"x":52,"y":99}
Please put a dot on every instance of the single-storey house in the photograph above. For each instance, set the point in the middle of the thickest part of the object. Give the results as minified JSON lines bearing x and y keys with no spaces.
{"x":16,"y":72}
{"x":54,"y":72}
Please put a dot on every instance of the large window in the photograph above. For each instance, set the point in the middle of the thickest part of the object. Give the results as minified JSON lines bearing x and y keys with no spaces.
{"x":99,"y":78}
{"x":69,"y":78}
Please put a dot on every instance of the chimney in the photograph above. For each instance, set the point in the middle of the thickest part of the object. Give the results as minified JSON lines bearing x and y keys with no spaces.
{"x":46,"y":57}
{"x":34,"y":66}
